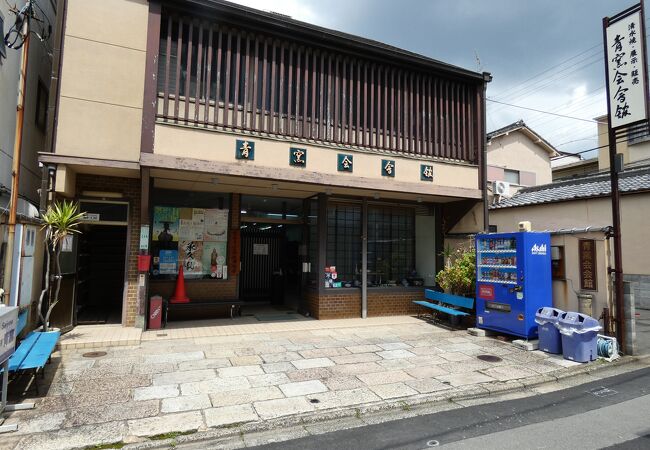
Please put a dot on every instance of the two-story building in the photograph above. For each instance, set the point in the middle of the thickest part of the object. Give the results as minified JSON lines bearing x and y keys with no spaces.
{"x":272,"y":160}
{"x":23,"y":283}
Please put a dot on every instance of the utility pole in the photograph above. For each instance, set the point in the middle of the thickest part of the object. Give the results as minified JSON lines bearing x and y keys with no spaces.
{"x":15,"y":171}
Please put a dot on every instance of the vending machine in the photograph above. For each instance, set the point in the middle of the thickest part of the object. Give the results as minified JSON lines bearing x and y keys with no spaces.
{"x":513,"y":280}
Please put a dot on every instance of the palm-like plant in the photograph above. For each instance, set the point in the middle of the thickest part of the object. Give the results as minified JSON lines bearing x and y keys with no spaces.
{"x":60,"y":220}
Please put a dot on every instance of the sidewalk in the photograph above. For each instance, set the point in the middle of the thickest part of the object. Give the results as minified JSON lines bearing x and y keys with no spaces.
{"x":265,"y":374}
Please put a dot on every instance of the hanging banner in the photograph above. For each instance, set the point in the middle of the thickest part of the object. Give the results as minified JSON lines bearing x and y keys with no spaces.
{"x":626,"y":71}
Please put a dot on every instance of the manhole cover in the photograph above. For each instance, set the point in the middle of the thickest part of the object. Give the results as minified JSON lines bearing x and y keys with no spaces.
{"x":489,"y":358}
{"x":94,"y":354}
{"x":314,"y":400}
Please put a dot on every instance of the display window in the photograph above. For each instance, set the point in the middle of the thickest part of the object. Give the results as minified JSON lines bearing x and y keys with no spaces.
{"x":190,"y":230}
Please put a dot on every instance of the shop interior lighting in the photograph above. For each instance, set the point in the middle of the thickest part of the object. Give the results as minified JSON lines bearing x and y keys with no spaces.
{"x":328,"y":192}
{"x":375,"y":196}
{"x":274,"y":186}
{"x":419,"y":199}
{"x":243,"y":211}
{"x":265,"y":228}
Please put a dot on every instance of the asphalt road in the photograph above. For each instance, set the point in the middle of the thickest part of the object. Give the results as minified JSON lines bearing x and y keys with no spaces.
{"x":609,"y":413}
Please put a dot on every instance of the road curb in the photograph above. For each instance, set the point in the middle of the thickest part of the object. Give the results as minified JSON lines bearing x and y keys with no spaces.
{"x":404,"y":407}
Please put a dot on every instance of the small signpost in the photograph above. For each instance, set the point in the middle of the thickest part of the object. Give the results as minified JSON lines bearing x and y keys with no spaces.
{"x":627,"y":111}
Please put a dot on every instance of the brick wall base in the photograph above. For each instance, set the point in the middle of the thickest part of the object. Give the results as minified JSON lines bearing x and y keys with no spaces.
{"x":346,"y":304}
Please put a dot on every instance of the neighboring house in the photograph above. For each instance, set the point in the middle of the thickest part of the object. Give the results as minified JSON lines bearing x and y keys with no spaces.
{"x":517,"y":157}
{"x":565,"y":167}
{"x":274,"y":160}
{"x":33,"y":141}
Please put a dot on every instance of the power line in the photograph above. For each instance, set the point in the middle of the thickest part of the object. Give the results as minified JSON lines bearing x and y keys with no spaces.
{"x":543,"y":112}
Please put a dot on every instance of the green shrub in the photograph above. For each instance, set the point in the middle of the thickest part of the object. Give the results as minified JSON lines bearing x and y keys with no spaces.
{"x":459,"y":275}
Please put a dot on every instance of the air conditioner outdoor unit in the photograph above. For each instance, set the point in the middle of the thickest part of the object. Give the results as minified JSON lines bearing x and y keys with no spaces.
{"x":501,"y":188}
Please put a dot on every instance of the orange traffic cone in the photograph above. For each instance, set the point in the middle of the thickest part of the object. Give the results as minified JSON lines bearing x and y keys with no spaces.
{"x":179,"y":293}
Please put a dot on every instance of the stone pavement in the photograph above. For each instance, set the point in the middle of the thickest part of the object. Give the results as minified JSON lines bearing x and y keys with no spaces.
{"x":222,"y":382}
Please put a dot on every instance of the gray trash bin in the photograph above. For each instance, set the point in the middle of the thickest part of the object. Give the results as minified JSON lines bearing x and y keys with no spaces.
{"x":550,"y":339}
{"x":579,"y":336}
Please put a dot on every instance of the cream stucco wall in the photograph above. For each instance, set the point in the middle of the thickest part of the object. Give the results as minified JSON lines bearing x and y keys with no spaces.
{"x":516,"y":151}
{"x":189,"y":142}
{"x":102,"y":79}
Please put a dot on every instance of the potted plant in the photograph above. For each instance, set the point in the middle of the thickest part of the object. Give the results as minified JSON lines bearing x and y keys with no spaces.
{"x":459,"y":275}
{"x":60,"y":220}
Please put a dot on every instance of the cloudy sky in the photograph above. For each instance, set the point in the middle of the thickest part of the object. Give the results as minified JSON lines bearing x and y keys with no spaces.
{"x":545,"y":55}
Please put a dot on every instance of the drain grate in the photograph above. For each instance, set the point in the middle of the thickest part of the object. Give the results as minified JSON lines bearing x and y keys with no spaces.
{"x":489,"y":358}
{"x":94,"y":354}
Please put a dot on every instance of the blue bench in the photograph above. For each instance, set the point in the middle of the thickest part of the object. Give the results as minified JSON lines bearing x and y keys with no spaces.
{"x":34,"y":350}
{"x":446,"y":303}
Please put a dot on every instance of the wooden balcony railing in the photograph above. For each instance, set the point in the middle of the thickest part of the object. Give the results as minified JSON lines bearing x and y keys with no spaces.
{"x":214,"y":75}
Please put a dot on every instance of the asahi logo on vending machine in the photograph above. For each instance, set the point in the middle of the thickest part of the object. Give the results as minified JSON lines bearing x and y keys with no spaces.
{"x":538,"y":249}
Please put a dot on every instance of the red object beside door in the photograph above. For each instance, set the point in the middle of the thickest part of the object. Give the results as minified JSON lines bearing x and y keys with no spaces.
{"x":155,"y":312}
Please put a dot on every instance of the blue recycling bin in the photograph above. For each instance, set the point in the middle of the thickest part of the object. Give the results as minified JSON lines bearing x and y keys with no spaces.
{"x":550,"y":339}
{"x":579,"y":336}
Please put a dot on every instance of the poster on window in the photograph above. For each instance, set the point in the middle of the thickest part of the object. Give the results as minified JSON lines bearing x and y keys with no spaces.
{"x":168,"y":262}
{"x":189,"y":230}
{"x":165,"y":226}
{"x":214,"y":257}
{"x":190,"y":254}
{"x":216,"y":225}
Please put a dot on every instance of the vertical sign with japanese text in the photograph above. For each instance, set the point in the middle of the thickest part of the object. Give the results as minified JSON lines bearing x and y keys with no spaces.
{"x":626,"y":79}
{"x":587,"y":259}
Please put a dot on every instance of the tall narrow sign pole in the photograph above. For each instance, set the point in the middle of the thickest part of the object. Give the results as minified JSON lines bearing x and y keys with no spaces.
{"x":627,"y":93}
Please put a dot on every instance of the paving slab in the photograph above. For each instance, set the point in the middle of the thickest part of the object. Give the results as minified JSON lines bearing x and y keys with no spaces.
{"x":242,"y":396}
{"x":343,"y":398}
{"x":324,"y":352}
{"x":166,"y":423}
{"x":268,"y":379}
{"x":394,"y":346}
{"x":310,"y":374}
{"x":279,"y":357}
{"x":384,"y":377}
{"x":454,"y":356}
{"x":506,"y":373}
{"x":395,"y":354}
{"x":428,"y":385}
{"x":312,"y":363}
{"x":240,"y":371}
{"x":302,"y":388}
{"x":78,"y":437}
{"x":462,"y":379}
{"x":214,"y":386}
{"x":185,"y":403}
{"x":228,"y":415}
{"x":185,"y":376}
{"x":356,"y":358}
{"x":111,"y":412}
{"x":364,"y":348}
{"x":338,"y":383}
{"x":271,"y":409}
{"x":276,"y":367}
{"x":248,"y":360}
{"x":156,"y":392}
{"x":393,"y":390}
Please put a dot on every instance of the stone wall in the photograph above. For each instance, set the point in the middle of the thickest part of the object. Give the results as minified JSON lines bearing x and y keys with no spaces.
{"x":640,"y":285}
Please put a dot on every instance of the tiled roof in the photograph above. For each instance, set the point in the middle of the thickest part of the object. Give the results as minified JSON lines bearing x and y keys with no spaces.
{"x":598,"y":185}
